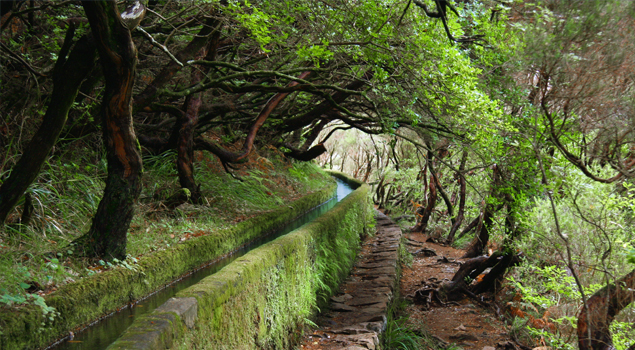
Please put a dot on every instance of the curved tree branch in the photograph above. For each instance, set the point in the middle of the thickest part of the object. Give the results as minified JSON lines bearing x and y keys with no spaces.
{"x":236,"y":157}
{"x":575,"y":160}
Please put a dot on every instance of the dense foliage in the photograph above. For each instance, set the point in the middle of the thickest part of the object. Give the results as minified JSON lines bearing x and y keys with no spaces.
{"x":508,"y":120}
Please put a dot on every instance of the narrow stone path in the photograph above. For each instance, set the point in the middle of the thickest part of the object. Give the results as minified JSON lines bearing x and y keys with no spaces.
{"x":357,"y":314}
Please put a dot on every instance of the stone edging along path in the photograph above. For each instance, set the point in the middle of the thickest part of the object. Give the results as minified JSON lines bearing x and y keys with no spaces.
{"x":358,"y":312}
{"x":259,"y":300}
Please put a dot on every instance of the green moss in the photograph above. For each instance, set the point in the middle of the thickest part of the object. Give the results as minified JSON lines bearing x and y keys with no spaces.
{"x":97,"y":295}
{"x":155,"y":331}
{"x":261,"y":300}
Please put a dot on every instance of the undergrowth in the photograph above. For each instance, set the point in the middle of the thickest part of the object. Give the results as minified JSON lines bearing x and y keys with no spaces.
{"x":37,"y":258}
{"x":596,"y":223}
{"x":402,"y":334}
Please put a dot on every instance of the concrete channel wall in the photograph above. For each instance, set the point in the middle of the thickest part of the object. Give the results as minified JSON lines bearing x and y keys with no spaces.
{"x":261,"y":300}
{"x":92,"y":297}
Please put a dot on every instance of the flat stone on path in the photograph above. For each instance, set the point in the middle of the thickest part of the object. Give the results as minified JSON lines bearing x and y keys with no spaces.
{"x":372,"y":265}
{"x":357,"y":315}
{"x":377,"y":271}
{"x":366,"y":301}
{"x":341,"y":298}
{"x":341,"y":307}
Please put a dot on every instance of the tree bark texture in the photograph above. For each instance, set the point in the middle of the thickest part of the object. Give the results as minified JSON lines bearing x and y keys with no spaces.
{"x":472,"y":225}
{"x":494,"y":278}
{"x":427,"y":211}
{"x":471,"y":268}
{"x":436,"y":176}
{"x":462,"y":191}
{"x":432,"y":199}
{"x":107,"y":236}
{"x":479,"y":242}
{"x":187,"y":128}
{"x":603,"y":306}
{"x":67,"y":78}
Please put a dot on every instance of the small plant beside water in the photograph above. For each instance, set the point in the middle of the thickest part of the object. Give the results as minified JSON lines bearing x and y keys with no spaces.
{"x":16,"y":292}
{"x":128,"y":263}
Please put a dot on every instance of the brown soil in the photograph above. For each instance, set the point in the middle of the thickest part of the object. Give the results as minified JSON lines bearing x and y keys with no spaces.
{"x":466,"y":323}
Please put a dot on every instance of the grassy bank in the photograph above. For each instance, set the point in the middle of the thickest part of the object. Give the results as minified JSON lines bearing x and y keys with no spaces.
{"x":47,"y":291}
{"x":263,"y":299}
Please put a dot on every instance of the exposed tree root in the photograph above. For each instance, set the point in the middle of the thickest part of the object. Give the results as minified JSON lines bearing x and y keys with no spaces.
{"x":445,"y":291}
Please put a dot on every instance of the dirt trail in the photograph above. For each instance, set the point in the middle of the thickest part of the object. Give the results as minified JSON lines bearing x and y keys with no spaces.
{"x":468,"y":324}
{"x":357,"y":314}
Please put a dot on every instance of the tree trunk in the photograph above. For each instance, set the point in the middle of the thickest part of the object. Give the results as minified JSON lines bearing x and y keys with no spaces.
{"x":185,"y":149}
{"x":468,"y":270}
{"x":494,"y":278}
{"x":437,"y":178}
{"x":430,"y":204}
{"x":150,"y":92}
{"x":479,"y":242}
{"x":603,"y":306}
{"x":432,"y":199}
{"x":185,"y":143}
{"x":107,"y":236}
{"x":472,"y":225}
{"x":462,"y":191}
{"x":343,"y":161}
{"x":68,"y":75}
{"x":369,"y":167}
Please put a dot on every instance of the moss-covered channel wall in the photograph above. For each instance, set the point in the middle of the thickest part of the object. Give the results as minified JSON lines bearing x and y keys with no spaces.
{"x":92,"y":297}
{"x":261,"y":300}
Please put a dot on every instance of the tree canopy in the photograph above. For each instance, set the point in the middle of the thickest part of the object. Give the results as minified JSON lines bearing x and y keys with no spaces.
{"x":489,"y":117}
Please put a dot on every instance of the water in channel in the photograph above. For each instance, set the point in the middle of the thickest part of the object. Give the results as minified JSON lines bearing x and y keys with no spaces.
{"x":106,"y":331}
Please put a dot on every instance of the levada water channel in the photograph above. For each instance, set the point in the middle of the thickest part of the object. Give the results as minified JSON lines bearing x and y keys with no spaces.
{"x":104,"y":332}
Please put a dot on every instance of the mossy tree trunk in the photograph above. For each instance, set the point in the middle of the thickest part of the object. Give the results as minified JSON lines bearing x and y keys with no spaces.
{"x":68,"y":75}
{"x":108,"y":233}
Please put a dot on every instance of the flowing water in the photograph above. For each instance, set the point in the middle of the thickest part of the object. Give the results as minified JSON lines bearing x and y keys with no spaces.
{"x":105,"y":331}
